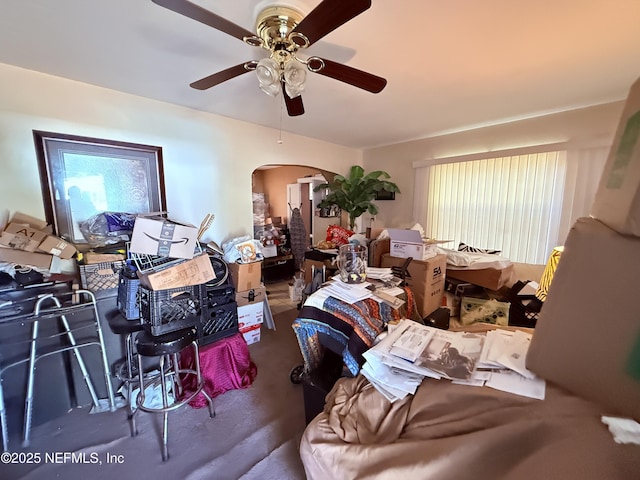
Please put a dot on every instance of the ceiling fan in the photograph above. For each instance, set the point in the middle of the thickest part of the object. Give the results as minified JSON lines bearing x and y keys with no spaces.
{"x":283,"y":31}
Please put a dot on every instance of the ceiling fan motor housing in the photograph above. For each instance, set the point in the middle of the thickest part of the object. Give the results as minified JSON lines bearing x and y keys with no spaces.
{"x":274,"y":26}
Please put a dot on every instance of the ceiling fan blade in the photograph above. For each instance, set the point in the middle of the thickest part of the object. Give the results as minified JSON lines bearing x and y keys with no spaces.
{"x":329,"y":15}
{"x":294,"y":105}
{"x":352,"y":76}
{"x":222,"y":76}
{"x":207,"y":17}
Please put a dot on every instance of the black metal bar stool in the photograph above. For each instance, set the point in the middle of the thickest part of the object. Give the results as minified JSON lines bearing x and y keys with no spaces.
{"x":167,"y":348}
{"x":127,"y":370}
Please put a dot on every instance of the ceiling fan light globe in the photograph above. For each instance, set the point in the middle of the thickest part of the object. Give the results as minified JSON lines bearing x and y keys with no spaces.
{"x":292,"y":91}
{"x":295,"y":75}
{"x":268,"y":72}
{"x":271,"y":90}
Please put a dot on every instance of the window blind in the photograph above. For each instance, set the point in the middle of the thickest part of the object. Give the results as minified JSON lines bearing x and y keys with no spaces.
{"x":511,"y":203}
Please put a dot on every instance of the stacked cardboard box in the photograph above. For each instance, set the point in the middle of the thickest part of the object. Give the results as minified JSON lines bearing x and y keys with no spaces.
{"x":409,"y":243}
{"x":27,"y":240}
{"x":426,"y":280}
{"x":246,"y":276}
{"x":251,"y":305}
{"x":587,"y":338}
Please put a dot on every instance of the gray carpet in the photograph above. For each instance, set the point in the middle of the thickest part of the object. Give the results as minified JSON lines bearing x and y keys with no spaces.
{"x":255,"y":434}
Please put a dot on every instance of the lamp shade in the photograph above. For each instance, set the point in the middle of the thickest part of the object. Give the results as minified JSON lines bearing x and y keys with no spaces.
{"x":268,"y":74}
{"x":294,"y":76}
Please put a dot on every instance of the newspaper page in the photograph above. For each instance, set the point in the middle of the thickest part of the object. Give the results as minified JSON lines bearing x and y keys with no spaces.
{"x":412,"y":342}
{"x":382,"y":352}
{"x":515,"y":354}
{"x":452,"y":354}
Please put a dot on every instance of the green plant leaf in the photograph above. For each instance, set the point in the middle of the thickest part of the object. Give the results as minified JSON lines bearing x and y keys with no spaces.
{"x":356,"y":192}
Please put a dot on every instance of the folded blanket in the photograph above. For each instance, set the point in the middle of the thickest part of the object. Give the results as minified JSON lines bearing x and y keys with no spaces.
{"x":449,"y":431}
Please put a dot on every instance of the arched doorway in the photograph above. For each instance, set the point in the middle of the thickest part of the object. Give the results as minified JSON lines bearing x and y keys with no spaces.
{"x":277,"y":189}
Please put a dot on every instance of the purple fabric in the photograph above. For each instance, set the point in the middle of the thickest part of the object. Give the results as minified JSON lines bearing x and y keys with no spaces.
{"x":225,"y":365}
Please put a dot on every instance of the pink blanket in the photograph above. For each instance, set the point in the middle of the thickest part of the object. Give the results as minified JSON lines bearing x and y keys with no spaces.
{"x":225,"y":365}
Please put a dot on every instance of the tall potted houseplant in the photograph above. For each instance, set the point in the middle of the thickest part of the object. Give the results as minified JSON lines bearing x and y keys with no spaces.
{"x":356,"y":192}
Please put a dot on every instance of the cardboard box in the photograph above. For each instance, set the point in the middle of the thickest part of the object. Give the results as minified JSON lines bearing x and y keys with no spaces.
{"x":373,"y":233}
{"x":587,"y":337}
{"x":426,"y":282}
{"x":33,"y":222}
{"x":92,"y":257}
{"x":617,"y":200}
{"x":246,"y":276}
{"x":58,"y":247}
{"x":491,"y":278}
{"x":31,"y":259}
{"x":195,"y":271}
{"x":22,"y":237}
{"x":253,"y":295}
{"x":250,"y":314}
{"x":163,"y":237}
{"x":251,"y":335}
{"x":377,"y":248}
{"x":409,"y":243}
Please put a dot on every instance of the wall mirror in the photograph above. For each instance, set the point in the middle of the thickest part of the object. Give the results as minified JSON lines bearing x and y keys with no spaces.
{"x":82,"y":176}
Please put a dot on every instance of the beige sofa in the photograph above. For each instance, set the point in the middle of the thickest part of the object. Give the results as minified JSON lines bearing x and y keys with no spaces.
{"x":584,"y":346}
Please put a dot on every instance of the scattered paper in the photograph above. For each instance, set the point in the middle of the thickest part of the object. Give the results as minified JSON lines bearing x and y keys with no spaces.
{"x":495,"y":345}
{"x":412,"y":342}
{"x":624,"y":430}
{"x":477,"y":379}
{"x":515,"y":353}
{"x":513,"y":382}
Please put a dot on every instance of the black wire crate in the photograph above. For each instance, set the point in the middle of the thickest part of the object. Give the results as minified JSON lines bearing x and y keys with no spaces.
{"x":218,"y":322}
{"x":164,"y":311}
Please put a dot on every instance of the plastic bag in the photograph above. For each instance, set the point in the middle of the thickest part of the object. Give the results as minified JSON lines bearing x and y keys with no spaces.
{"x":233,"y":254}
{"x":107,"y":228}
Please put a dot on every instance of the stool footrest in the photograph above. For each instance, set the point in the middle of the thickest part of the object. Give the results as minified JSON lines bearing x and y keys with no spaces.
{"x":168,"y":348}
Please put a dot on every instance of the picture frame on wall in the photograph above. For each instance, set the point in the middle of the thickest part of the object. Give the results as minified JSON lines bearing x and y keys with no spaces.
{"x":83,"y":176}
{"x":385,"y":195}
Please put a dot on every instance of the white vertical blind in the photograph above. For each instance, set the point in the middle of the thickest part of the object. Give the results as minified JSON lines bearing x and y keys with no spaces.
{"x":512,"y":204}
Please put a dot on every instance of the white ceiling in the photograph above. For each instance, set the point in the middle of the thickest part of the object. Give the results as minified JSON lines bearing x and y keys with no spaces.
{"x":450,"y":64}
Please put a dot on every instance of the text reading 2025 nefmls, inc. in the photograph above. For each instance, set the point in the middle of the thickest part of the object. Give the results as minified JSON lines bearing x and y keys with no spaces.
{"x":91,"y":458}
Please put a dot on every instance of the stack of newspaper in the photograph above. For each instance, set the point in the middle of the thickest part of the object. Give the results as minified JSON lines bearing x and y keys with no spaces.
{"x":347,"y":292}
{"x":386,"y":291}
{"x":384,"y":274}
{"x":411,"y":351}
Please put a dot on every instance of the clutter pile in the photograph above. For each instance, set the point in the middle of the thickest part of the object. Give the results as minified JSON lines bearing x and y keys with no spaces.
{"x":157,"y":267}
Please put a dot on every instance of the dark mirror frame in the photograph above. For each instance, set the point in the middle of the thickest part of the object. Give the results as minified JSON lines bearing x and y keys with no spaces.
{"x":82,"y":176}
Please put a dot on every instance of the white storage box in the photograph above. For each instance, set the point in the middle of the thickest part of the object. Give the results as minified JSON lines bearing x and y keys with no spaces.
{"x":250,"y":314}
{"x":409,"y":243}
